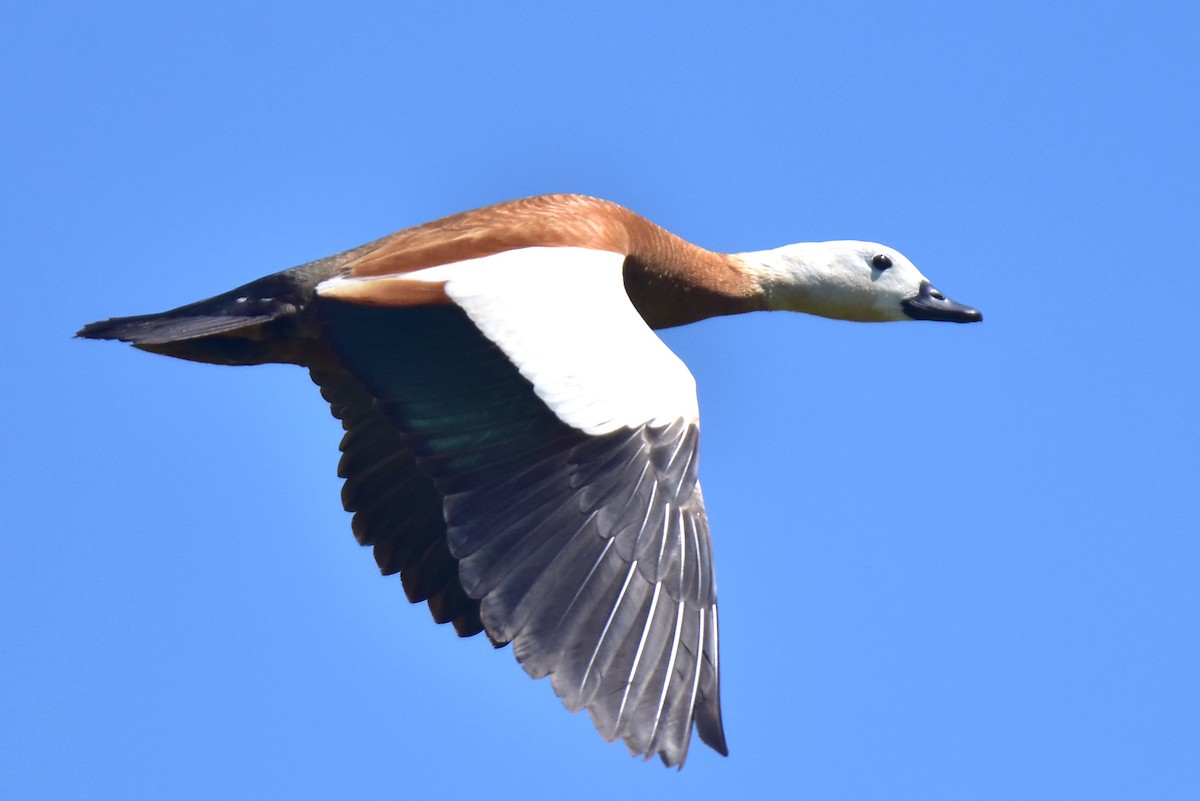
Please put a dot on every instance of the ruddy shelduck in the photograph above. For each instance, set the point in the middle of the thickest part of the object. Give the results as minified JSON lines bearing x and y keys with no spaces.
{"x":520,"y":447}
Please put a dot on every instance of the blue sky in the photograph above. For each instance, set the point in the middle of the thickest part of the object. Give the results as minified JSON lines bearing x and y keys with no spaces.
{"x":955,"y":561}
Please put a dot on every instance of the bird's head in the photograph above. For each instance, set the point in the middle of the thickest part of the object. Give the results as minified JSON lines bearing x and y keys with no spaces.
{"x":848,"y":280}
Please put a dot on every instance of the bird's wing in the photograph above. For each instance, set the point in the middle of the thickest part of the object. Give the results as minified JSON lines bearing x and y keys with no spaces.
{"x":562,"y":436}
{"x":397,"y":510}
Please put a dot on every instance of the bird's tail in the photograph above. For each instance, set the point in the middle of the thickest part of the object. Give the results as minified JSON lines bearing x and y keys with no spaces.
{"x":262,"y":321}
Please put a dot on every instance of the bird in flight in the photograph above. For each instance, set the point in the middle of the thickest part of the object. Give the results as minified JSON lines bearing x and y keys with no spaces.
{"x":519,"y":445}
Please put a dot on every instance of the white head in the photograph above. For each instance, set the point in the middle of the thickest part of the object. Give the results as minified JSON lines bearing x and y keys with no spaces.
{"x":850,"y":280}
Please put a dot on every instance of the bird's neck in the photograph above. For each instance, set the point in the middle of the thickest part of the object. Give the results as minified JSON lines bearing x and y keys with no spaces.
{"x":801,"y":278}
{"x":673,"y":282}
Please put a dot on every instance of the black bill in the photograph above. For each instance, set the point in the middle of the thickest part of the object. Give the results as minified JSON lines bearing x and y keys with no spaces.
{"x":929,"y":304}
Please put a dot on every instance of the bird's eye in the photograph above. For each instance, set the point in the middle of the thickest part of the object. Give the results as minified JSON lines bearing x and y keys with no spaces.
{"x":880,"y":261}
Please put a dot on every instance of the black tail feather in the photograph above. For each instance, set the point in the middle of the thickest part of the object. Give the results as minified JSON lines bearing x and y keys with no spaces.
{"x":159,"y":329}
{"x":259,"y":322}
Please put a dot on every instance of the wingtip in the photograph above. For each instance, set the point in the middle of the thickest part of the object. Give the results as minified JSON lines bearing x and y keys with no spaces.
{"x":712,"y":734}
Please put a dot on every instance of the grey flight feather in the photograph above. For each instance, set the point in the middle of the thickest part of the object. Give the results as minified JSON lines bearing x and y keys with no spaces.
{"x":591,"y":554}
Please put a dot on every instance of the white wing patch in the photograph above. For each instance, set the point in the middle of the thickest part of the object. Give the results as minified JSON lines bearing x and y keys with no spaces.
{"x":561,"y":315}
